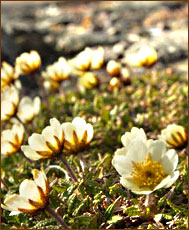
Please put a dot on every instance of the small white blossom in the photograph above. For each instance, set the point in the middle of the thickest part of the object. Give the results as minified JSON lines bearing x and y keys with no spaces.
{"x":78,"y":135}
{"x":174,"y":136}
{"x":27,"y":63}
{"x":33,"y":195}
{"x":12,"y":139}
{"x":28,"y":109}
{"x":47,"y":144}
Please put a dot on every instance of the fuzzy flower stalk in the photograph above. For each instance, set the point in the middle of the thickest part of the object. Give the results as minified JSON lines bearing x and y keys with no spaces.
{"x":33,"y":196}
{"x":145,"y":165}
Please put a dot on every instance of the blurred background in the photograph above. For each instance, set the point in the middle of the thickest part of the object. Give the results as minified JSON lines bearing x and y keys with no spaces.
{"x":65,"y":28}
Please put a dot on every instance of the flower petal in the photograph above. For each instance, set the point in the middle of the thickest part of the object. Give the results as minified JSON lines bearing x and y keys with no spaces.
{"x":28,"y":189}
{"x":157,"y":149}
{"x":40,"y":178}
{"x":137,"y":151}
{"x":173,"y":178}
{"x":80,"y":126}
{"x":30,"y":153}
{"x":130,"y":136}
{"x":7,"y":148}
{"x":57,"y":128}
{"x":169,"y":161}
{"x":37,"y":142}
{"x":15,"y":202}
{"x":134,"y":188}
{"x":90,"y":131}
{"x":68,"y":129}
{"x":121,"y":163}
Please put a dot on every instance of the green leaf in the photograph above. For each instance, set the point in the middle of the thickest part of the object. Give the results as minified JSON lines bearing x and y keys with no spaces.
{"x":132,"y":211}
{"x":109,"y":211}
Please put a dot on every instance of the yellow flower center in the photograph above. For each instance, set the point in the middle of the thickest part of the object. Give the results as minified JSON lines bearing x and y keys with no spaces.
{"x":147,"y":174}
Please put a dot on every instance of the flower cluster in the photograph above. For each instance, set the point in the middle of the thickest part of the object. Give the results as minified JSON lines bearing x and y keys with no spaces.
{"x":89,"y":59}
{"x":25,"y":109}
{"x":56,"y":73}
{"x":120,"y":75}
{"x":145,"y":165}
{"x":68,"y":137}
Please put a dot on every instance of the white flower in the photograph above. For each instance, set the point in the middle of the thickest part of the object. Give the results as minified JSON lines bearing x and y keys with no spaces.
{"x":51,"y":85}
{"x":114,"y":83}
{"x":174,"y":136}
{"x":12,"y":139}
{"x":45,"y":145}
{"x":113,"y":68}
{"x":78,"y":135}
{"x":146,"y":56}
{"x":89,"y":81}
{"x":9,"y":103}
{"x":33,"y":195}
{"x":11,"y":106}
{"x":146,"y":167}
{"x":135,"y":133}
{"x":27,"y":63}
{"x":8,"y":75}
{"x":57,"y":72}
{"x":97,"y":59}
{"x":83,"y":59}
{"x":88,"y":59}
{"x":28,"y":109}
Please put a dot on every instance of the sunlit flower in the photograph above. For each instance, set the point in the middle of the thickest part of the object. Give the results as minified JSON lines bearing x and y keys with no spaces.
{"x":146,"y":166}
{"x":28,"y":109}
{"x":25,"y":109}
{"x":47,"y":144}
{"x":89,"y":59}
{"x":125,"y":76}
{"x":174,"y":136}
{"x":51,"y":85}
{"x":83,"y":59}
{"x":12,"y":139}
{"x":135,"y":133}
{"x":78,"y":135}
{"x":146,"y":56}
{"x":9,"y":76}
{"x":9,"y":103}
{"x":57,"y":72}
{"x":114,"y":83}
{"x":97,"y":58}
{"x":27,"y":63}
{"x":113,"y":68}
{"x":33,"y":195}
{"x":89,"y":81}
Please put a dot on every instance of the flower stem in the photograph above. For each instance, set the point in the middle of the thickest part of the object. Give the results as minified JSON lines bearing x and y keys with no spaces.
{"x":29,"y":161}
{"x":70,"y":171}
{"x":82,"y":162}
{"x":147,"y":201}
{"x":4,"y":184}
{"x":56,"y":216}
